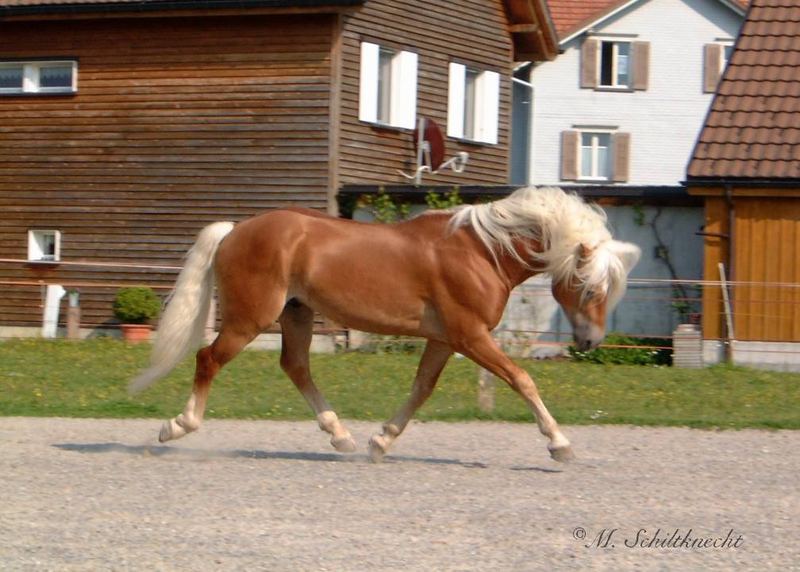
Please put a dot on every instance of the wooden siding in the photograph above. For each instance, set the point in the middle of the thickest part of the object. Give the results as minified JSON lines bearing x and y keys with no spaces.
{"x":472,"y":32}
{"x":177,"y":122}
{"x":766,"y":240}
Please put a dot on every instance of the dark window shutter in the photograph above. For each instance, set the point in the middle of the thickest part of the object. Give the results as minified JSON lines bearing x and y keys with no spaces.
{"x":569,"y":155}
{"x":641,"y":65}
{"x":622,"y":157}
{"x":712,"y":62}
{"x":589,"y":63}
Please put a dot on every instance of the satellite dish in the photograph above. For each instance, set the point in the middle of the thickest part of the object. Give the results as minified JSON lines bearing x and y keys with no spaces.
{"x":430,"y":151}
{"x":432,"y":135}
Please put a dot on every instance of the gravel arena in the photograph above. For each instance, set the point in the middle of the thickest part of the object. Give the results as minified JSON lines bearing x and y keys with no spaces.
{"x":86,"y":494}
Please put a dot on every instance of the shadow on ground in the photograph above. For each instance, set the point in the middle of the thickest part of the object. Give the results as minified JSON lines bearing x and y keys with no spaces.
{"x":163,"y":451}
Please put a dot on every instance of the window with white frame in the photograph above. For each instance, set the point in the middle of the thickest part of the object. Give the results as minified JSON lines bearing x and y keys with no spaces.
{"x":473,"y":104}
{"x":595,"y":156}
{"x":44,"y":245}
{"x":388,"y":88}
{"x":615,"y":60}
{"x":35,"y":77}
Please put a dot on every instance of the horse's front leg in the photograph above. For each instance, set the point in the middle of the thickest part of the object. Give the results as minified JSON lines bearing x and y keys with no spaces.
{"x":430,"y":367}
{"x":484,"y":351}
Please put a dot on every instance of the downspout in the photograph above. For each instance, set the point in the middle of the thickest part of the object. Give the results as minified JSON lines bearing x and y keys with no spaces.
{"x":531,"y":114}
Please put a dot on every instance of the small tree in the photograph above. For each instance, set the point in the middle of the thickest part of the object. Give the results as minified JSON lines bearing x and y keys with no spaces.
{"x":136,"y":305}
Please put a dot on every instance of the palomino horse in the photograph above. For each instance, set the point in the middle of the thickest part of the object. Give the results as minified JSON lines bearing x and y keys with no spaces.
{"x":444,"y":276}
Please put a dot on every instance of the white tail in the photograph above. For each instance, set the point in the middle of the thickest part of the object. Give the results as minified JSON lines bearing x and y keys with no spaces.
{"x":184,"y":320}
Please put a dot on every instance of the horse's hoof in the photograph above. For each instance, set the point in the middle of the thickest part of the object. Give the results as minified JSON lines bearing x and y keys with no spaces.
{"x":377,"y":449}
{"x":344,"y":444}
{"x":170,"y":430}
{"x":562,"y":454}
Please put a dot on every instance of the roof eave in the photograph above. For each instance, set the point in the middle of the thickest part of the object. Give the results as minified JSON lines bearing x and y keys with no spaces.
{"x":532,"y":30}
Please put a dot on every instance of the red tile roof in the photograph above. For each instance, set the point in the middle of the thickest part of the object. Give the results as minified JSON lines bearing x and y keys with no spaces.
{"x":753,"y":127}
{"x":570,"y":15}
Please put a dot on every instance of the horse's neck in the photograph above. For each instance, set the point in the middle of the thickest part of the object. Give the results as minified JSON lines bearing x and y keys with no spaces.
{"x":516,"y":272}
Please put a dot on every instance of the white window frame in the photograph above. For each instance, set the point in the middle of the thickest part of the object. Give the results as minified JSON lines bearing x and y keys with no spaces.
{"x":594,"y":176}
{"x":615,"y":43}
{"x":36,"y":245}
{"x":402,"y":95}
{"x":31,"y":73}
{"x":485,"y":105}
{"x":727,"y":45}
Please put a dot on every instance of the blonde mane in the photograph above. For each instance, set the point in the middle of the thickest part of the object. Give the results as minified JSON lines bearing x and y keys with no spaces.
{"x":561,"y":223}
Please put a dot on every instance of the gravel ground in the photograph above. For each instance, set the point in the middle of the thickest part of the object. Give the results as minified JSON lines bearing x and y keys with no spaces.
{"x":85,"y":494}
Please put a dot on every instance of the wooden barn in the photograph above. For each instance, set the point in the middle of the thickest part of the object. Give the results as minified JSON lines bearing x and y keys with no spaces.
{"x":127,"y":125}
{"x":746,"y":165}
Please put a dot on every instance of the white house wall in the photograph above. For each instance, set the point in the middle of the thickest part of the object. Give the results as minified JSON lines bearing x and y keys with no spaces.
{"x":664,"y":119}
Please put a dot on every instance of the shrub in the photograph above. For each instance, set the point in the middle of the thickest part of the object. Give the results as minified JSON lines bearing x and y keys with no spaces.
{"x":136,"y":305}
{"x":630,"y":356}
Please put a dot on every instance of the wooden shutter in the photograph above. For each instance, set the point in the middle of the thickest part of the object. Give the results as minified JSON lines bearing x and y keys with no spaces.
{"x":641,"y":65}
{"x":621,"y":143}
{"x":712,"y":66}
{"x":569,"y":155}
{"x":368,"y":86}
{"x":589,"y":58}
{"x":488,"y":106}
{"x":455,"y":101}
{"x":403,"y":103}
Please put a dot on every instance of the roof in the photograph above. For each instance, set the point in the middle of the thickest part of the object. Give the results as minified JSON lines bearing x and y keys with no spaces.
{"x":30,"y":7}
{"x":532,"y":31}
{"x":572,"y":17}
{"x":753,"y":126}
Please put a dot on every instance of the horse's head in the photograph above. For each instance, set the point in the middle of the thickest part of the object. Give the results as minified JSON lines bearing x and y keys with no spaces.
{"x":593,"y":287}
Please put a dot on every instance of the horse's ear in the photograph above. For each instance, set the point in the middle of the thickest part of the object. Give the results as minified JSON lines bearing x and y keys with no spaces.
{"x":628,"y":252}
{"x":584,"y":252}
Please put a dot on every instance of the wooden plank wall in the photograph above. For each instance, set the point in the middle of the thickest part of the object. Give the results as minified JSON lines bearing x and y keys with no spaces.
{"x":178,"y":122}
{"x":466,"y":31}
{"x":767,"y":251}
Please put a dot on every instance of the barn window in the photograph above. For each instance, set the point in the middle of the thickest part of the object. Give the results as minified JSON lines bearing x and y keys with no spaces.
{"x":388,"y":88}
{"x":44,"y":245}
{"x":38,"y":77}
{"x":473,"y":104}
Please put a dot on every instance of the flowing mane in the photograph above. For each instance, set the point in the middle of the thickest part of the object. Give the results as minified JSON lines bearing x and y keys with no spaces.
{"x":561,"y":223}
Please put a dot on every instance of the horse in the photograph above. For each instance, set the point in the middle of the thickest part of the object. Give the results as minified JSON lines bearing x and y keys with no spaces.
{"x":444,"y":276}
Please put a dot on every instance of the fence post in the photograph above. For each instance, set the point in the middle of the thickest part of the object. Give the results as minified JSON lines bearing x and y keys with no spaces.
{"x":485,"y":391}
{"x":73,"y":315}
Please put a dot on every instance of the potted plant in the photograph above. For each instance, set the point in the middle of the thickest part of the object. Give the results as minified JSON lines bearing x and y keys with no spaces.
{"x":135,"y":307}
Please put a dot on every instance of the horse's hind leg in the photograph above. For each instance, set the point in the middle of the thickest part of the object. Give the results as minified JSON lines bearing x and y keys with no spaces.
{"x":430,"y":367}
{"x":297,"y":323}
{"x":209,"y":361}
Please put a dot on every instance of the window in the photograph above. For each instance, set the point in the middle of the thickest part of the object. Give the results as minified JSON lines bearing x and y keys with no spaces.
{"x":39,"y":77}
{"x":388,"y":88}
{"x":595,"y":155}
{"x":473,"y":104}
{"x":614,"y":64}
{"x":715,"y":58}
{"x":44,"y":245}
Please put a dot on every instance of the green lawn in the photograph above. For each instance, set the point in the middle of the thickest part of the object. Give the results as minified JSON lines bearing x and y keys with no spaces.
{"x":89,"y":379}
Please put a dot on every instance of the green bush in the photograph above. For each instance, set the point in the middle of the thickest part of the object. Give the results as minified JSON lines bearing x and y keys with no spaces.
{"x":628,"y":356}
{"x":136,"y":305}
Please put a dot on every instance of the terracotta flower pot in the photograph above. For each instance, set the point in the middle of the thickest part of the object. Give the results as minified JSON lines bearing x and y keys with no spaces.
{"x":136,"y":333}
